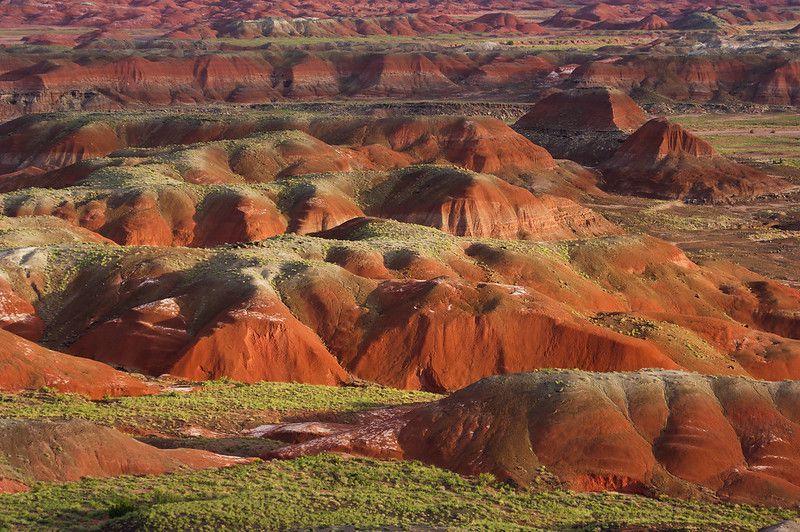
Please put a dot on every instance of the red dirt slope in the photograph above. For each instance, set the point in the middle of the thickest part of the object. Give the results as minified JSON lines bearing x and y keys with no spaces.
{"x":63,"y":451}
{"x":650,"y":433}
{"x":585,"y":125}
{"x":25,"y":365}
{"x":468,"y":204}
{"x":663,"y":160}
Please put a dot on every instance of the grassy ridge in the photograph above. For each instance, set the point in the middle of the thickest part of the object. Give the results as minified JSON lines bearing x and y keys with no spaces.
{"x":327,"y":491}
{"x":216,"y":404}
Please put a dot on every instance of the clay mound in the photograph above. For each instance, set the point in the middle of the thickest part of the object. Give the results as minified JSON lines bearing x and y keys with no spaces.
{"x":265,"y":147}
{"x":468,"y":204}
{"x":594,"y":108}
{"x":565,"y":18}
{"x":503,"y":23}
{"x":259,"y":341}
{"x":64,"y":451}
{"x":229,"y":217}
{"x":50,"y":39}
{"x":31,"y":227}
{"x":251,"y":338}
{"x":663,"y":160}
{"x":104,"y":38}
{"x":410,"y":333}
{"x":477,"y":143}
{"x":586,"y":125}
{"x":27,"y":366}
{"x":699,"y":20}
{"x":598,"y":12}
{"x":650,"y":22}
{"x":316,"y":209}
{"x":651,"y":433}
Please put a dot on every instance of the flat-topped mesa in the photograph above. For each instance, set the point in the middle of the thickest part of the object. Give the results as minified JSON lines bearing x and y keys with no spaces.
{"x":663,"y":160}
{"x":651,"y":433}
{"x":586,"y":125}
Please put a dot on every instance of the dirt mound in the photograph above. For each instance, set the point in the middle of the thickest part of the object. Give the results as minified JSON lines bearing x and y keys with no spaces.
{"x":258,"y":341}
{"x":234,"y":327}
{"x":594,"y":108}
{"x":25,"y":365}
{"x":410,"y":334}
{"x":663,"y":160}
{"x":468,"y":204}
{"x":586,"y":125}
{"x":650,"y":22}
{"x":662,"y":433}
{"x":402,"y":25}
{"x":478,"y":143}
{"x":260,"y":147}
{"x":63,"y":451}
{"x":502,"y":23}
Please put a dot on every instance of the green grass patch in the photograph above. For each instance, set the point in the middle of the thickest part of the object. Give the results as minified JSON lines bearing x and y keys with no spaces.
{"x":328,"y":491}
{"x":219,"y":404}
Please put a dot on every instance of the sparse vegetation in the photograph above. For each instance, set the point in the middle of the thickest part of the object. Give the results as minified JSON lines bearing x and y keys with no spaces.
{"x":328,"y":491}
{"x":220,"y":404}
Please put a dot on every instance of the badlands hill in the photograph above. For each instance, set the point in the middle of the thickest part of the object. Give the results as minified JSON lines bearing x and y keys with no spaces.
{"x":394,"y":303}
{"x":585,"y":125}
{"x":34,"y":451}
{"x":663,"y":160}
{"x":652,"y":432}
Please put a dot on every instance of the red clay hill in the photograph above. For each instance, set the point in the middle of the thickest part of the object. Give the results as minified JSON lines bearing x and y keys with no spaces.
{"x":585,"y":125}
{"x":395,"y":303}
{"x":25,"y":365}
{"x":663,"y":160}
{"x":469,"y":204}
{"x":62,"y":451}
{"x":651,"y":433}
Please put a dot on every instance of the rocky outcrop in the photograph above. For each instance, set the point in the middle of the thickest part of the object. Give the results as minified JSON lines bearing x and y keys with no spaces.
{"x":651,"y":433}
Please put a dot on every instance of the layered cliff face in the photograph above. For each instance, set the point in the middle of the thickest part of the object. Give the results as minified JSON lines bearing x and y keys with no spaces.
{"x":651,"y":433}
{"x":585,"y":125}
{"x":696,"y":79}
{"x":40,"y":82}
{"x":663,"y":160}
